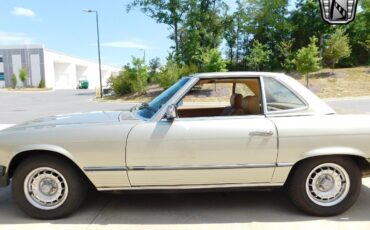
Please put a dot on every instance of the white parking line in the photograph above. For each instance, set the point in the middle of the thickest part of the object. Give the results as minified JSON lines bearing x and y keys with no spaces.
{"x":4,"y":126}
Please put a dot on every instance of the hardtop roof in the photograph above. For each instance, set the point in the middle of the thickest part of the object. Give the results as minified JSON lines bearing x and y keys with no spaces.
{"x":235,"y":74}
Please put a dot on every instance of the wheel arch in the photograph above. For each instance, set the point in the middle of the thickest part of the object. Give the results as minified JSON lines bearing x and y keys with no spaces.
{"x":22,"y":155}
{"x":360,"y":160}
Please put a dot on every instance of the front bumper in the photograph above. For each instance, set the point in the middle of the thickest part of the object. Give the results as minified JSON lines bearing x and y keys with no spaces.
{"x":4,"y":178}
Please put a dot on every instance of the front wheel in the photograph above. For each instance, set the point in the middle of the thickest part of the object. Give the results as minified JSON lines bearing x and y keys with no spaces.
{"x":47,"y":187}
{"x":325,"y":186}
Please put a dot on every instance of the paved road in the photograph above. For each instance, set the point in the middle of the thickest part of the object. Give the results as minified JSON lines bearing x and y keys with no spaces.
{"x":221,"y":210}
{"x":358,"y":105}
{"x":16,"y":107}
{"x":227,"y":210}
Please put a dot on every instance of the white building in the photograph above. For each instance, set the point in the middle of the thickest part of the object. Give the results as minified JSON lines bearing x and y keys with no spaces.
{"x":58,"y":70}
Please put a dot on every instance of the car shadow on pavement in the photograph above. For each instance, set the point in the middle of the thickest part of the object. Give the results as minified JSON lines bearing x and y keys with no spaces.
{"x":185,"y":208}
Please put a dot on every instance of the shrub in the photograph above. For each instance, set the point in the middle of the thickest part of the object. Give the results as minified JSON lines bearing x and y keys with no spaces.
{"x":337,"y":47}
{"x":308,"y":58}
{"x":212,"y":61}
{"x":42,"y":84}
{"x":14,"y":81}
{"x":131,"y":79}
{"x":23,"y":76}
{"x":172,"y":72}
{"x":258,"y":55}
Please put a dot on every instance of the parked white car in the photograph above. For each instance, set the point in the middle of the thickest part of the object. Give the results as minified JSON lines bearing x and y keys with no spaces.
{"x":273,"y":133}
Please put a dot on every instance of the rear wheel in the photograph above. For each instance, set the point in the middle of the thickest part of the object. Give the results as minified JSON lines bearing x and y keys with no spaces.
{"x":46,"y":187}
{"x":325,"y":186}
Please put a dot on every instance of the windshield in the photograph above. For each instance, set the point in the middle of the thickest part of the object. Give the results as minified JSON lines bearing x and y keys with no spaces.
{"x":147,"y":110}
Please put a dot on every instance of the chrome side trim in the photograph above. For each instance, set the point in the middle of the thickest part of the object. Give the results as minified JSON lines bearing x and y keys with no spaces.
{"x":202,"y":167}
{"x":174,"y":187}
{"x":100,"y":169}
{"x":186,"y":167}
{"x":284,"y":164}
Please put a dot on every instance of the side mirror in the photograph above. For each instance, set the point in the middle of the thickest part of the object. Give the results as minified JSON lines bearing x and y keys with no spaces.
{"x":171,"y":112}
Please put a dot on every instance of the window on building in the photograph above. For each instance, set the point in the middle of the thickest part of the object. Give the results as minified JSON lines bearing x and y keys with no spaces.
{"x":1,"y":59}
{"x":2,"y":76}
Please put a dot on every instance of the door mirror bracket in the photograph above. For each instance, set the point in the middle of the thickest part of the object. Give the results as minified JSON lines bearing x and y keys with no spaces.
{"x":171,"y":112}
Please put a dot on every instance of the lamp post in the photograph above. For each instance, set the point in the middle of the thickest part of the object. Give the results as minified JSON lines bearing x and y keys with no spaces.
{"x":144,"y":54}
{"x":97,"y":31}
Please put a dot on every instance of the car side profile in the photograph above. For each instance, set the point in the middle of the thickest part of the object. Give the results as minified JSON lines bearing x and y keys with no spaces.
{"x":207,"y":131}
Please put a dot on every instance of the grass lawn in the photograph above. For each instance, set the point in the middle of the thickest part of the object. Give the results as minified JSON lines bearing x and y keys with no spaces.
{"x":348,"y":82}
{"x":344,"y":82}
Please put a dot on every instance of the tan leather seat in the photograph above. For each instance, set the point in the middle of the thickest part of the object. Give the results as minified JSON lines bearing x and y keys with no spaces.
{"x":251,"y":105}
{"x":235,"y":106}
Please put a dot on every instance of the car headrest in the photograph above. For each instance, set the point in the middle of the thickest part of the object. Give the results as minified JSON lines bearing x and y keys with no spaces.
{"x":251,"y":105}
{"x":236,"y":100}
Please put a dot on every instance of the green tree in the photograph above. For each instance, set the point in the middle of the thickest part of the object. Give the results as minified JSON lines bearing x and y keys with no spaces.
{"x":168,"y":12}
{"x":337,"y":47}
{"x":308,"y":58}
{"x":14,"y":81}
{"x":23,"y":76}
{"x":154,"y":66}
{"x":202,"y":29}
{"x":132,"y":79}
{"x":238,"y":33}
{"x":359,"y":35}
{"x":286,"y":54}
{"x":306,"y":22}
{"x":172,"y":72}
{"x":212,"y":61}
{"x":259,"y":55}
{"x":269,"y":24}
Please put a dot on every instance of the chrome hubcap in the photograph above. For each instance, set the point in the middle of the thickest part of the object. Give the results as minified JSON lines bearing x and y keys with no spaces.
{"x":45,"y":188}
{"x":327,"y":184}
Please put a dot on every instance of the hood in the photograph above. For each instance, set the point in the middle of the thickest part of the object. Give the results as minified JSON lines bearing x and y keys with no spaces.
{"x":96,"y":117}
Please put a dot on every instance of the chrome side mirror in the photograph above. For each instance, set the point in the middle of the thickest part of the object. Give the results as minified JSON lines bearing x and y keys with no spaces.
{"x":171,"y":112}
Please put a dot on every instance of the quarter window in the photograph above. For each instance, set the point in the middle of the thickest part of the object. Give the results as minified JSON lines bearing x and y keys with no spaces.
{"x":279,"y":97}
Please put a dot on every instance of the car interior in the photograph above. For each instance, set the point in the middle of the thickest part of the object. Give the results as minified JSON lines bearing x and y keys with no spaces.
{"x":209,"y":96}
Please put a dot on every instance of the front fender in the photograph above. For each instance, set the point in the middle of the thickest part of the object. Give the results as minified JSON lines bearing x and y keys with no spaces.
{"x":41,"y":147}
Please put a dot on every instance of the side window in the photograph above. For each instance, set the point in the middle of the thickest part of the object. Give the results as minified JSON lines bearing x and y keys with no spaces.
{"x":222,"y":97}
{"x":243,"y":89}
{"x":208,"y":94}
{"x":279,"y":97}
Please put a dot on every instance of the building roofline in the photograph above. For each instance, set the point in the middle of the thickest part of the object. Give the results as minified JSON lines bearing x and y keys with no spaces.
{"x":23,"y":46}
{"x":38,"y":46}
{"x":81,"y":58}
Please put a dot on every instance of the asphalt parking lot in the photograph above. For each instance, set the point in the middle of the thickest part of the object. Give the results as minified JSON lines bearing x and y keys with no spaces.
{"x":165,"y":210}
{"x":17,"y":107}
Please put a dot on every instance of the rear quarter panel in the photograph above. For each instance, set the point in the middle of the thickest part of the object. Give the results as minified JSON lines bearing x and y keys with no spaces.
{"x":302,"y":137}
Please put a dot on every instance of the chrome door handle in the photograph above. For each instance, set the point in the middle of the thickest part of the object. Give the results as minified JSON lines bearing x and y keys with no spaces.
{"x":261,"y":133}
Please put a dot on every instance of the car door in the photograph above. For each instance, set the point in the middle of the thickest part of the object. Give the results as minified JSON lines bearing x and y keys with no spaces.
{"x":202,"y":151}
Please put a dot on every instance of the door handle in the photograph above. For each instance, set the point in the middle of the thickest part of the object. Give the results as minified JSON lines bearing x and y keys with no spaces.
{"x":261,"y":133}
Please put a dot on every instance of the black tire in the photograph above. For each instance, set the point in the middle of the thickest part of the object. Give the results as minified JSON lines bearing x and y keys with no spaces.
{"x":296,"y":186}
{"x":77,"y":186}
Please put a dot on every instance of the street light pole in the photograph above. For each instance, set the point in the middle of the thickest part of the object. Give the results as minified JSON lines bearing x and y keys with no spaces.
{"x":98,"y":35}
{"x":144,"y":54}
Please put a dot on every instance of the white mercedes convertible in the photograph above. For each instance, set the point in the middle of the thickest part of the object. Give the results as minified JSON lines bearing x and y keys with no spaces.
{"x":207,"y":131}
